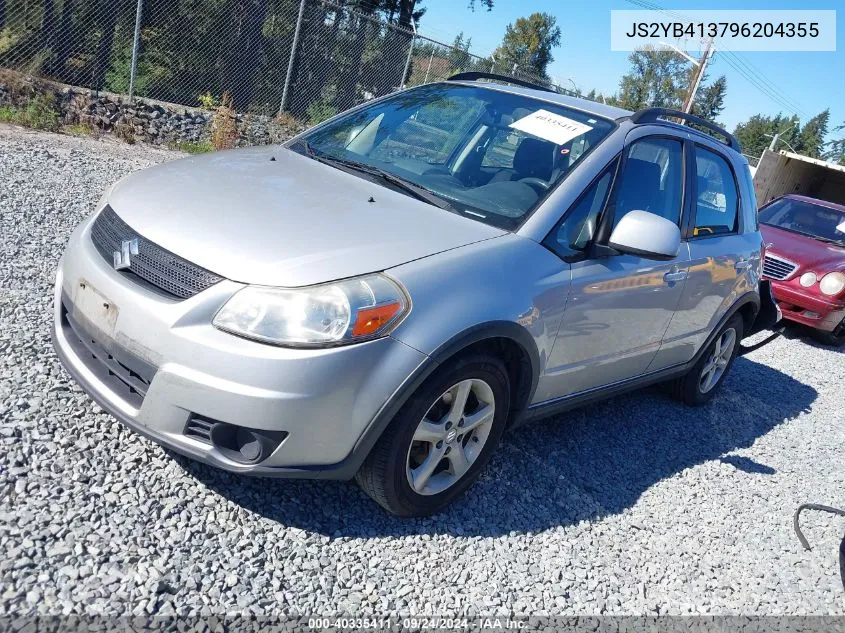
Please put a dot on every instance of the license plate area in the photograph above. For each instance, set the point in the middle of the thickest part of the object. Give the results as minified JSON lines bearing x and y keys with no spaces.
{"x":93,"y":308}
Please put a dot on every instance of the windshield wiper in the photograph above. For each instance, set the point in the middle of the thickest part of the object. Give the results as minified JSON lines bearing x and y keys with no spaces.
{"x":830,"y":240}
{"x":421,"y":193}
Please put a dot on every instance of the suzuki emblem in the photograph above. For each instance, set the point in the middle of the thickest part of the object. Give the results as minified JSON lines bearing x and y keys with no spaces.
{"x":123,"y":257}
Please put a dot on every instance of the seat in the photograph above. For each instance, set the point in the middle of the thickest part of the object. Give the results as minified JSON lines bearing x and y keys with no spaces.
{"x":640,"y":188}
{"x":534,"y":158}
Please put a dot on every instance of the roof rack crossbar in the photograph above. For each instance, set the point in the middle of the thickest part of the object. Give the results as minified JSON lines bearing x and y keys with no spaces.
{"x":651,"y":115}
{"x":475,"y":76}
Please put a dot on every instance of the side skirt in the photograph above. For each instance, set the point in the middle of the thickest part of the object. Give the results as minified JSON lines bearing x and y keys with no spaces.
{"x":573,"y":401}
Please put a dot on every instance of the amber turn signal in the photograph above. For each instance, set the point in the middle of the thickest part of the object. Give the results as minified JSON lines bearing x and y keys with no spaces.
{"x":371,"y":320}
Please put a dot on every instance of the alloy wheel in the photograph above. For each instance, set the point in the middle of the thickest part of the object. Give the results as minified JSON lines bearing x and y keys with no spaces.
{"x":450,"y":436}
{"x":717,"y":363}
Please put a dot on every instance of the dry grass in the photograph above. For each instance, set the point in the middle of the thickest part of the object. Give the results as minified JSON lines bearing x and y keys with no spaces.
{"x":224,"y":124}
{"x":125,"y":132}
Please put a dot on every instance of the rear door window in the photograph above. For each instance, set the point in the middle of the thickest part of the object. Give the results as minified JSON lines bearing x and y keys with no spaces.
{"x":717,"y":201}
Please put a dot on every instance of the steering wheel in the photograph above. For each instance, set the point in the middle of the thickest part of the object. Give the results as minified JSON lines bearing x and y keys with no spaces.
{"x":538,"y":184}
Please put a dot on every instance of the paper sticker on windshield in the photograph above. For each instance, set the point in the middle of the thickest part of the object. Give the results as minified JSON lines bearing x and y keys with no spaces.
{"x":551,"y":127}
{"x":841,"y":228}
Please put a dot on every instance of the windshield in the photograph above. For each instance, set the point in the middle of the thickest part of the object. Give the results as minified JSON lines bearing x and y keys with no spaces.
{"x":486,"y":154}
{"x":806,"y":218}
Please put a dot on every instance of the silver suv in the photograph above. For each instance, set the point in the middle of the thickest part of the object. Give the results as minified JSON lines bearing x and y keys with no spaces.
{"x":387,"y":293}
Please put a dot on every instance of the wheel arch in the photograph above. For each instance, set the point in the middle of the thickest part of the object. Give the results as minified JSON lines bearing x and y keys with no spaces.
{"x":512,"y":342}
{"x":509,"y":341}
{"x":747,"y":306}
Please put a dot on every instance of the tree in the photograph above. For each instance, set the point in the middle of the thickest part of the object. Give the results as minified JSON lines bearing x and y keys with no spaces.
{"x":810,"y":140}
{"x":483,"y":3}
{"x":240,"y":69}
{"x":836,"y":153}
{"x":658,"y":78}
{"x":108,"y":14}
{"x":528,"y":44}
{"x":459,"y":57}
{"x":710,"y":100}
{"x":65,"y":39}
{"x":662,"y":78}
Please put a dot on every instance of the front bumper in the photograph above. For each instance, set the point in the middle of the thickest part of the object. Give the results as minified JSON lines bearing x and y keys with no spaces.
{"x":324,"y":400}
{"x":811,"y":310}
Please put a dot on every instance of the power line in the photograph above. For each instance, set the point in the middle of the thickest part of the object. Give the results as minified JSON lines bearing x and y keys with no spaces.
{"x":761,"y":85}
{"x":744,"y":68}
{"x":757,"y":74}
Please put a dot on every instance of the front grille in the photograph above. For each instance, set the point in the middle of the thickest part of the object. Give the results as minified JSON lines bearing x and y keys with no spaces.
{"x":777,"y":268}
{"x":153,"y":264}
{"x":126,"y":375}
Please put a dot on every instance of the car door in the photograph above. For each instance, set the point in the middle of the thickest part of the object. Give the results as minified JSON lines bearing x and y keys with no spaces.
{"x":620,"y":305}
{"x":723,"y":255}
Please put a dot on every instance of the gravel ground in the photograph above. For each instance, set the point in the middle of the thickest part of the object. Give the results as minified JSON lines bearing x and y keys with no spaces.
{"x":634,"y":506}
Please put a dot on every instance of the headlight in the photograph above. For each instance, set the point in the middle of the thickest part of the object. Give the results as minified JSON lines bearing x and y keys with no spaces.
{"x":807,"y":279}
{"x":832,"y":283}
{"x":316,"y":316}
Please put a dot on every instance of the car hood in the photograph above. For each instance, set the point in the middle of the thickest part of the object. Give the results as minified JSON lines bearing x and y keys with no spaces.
{"x":270,"y":216}
{"x":810,"y":254}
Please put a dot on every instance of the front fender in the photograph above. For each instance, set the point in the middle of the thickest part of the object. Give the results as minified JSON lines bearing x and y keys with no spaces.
{"x":508,"y":286}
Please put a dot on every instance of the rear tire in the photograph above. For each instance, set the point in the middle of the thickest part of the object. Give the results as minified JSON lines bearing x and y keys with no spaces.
{"x":830,"y":338}
{"x":701,"y":382}
{"x":435,"y":448}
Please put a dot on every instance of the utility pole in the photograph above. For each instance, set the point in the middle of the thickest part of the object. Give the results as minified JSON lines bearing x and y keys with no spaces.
{"x":776,"y":138}
{"x":699,"y":75}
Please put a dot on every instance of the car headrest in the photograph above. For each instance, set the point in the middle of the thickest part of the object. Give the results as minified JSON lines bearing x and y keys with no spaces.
{"x":640,"y":186}
{"x":534,"y":158}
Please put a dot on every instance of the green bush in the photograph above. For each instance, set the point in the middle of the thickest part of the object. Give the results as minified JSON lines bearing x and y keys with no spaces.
{"x":8,"y":114}
{"x":319,"y":111}
{"x":79,"y":129}
{"x":40,"y":113}
{"x":192,"y":147}
{"x":8,"y":39}
{"x":208,"y":101}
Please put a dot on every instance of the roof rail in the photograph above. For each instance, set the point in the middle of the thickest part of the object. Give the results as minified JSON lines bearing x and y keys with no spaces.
{"x":475,"y":76}
{"x":651,"y":115}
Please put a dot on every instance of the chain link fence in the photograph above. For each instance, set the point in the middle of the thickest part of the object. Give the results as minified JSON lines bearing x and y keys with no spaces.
{"x":308,"y":58}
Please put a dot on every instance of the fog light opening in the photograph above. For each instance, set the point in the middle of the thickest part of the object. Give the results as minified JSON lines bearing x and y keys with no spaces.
{"x":241,"y":444}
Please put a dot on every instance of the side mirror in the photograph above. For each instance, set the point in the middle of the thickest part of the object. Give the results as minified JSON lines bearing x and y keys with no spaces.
{"x":647,"y":235}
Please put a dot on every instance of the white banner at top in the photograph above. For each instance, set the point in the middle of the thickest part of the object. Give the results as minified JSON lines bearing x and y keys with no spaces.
{"x":730,"y":29}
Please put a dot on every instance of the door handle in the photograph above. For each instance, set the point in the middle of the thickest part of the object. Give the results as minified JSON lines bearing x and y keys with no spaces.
{"x":678,"y":275}
{"x":743,"y":264}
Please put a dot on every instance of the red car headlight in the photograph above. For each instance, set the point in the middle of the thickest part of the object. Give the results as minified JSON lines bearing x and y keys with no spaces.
{"x":832,"y":283}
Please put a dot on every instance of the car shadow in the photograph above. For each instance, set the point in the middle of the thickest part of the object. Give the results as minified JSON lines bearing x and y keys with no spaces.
{"x":804,"y":334}
{"x":585,"y":464}
{"x":747,"y":465}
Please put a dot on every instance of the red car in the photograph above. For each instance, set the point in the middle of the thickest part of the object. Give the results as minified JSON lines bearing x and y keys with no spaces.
{"x":805,"y":261}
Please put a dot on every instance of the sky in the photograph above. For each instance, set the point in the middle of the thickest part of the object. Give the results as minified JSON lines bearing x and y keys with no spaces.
{"x":808,"y":82}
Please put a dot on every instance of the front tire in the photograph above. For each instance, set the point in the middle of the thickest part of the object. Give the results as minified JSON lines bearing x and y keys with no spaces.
{"x":700,"y":384}
{"x":441,"y":440}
